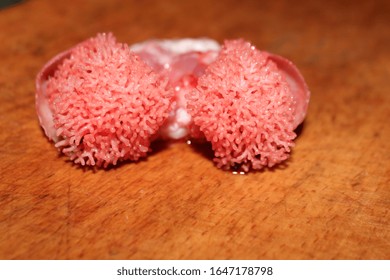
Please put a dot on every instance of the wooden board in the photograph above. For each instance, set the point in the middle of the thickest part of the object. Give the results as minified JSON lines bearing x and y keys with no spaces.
{"x":330,"y":201}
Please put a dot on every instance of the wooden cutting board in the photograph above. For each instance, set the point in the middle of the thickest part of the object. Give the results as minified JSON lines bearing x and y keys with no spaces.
{"x":331,"y":200}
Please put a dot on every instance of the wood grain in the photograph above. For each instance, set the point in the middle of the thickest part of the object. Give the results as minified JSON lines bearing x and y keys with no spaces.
{"x":330,"y":201}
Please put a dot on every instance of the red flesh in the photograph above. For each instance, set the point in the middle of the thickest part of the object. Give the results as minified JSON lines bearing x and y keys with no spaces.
{"x":188,"y":74}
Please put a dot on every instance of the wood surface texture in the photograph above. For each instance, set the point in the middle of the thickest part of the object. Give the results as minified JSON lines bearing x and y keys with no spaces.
{"x":331,"y":200}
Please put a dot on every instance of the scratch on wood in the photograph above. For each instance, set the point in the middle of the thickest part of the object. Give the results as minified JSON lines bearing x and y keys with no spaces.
{"x":68,"y":208}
